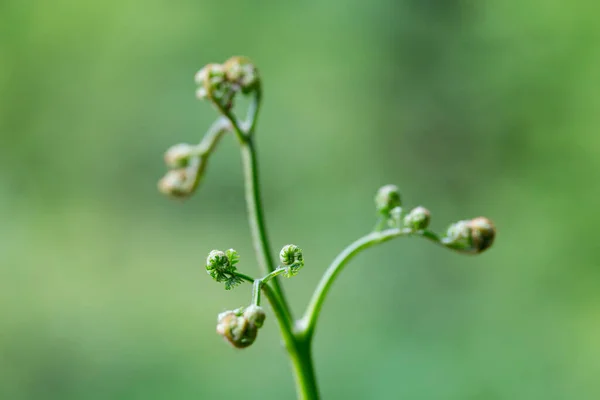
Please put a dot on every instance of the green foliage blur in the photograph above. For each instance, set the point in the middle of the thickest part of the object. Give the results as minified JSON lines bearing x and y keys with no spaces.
{"x":470,"y":107}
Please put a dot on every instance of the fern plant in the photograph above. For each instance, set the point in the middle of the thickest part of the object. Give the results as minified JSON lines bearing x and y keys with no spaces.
{"x":221,"y":84}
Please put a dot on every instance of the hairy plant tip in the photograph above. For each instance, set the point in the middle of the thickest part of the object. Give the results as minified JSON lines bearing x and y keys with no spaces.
{"x":177,"y":183}
{"x":484,"y":232}
{"x":182,"y":182}
{"x":241,"y":72}
{"x":255,"y":315}
{"x":179,"y":155}
{"x":291,"y":259}
{"x":470,"y":236}
{"x":240,"y":327}
{"x":417,"y":219}
{"x":211,"y":77}
{"x":220,"y":83}
{"x":221,"y":267}
{"x":236,"y":329}
{"x":387,"y":198}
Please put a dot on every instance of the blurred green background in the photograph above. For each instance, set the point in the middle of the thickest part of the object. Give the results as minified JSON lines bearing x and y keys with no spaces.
{"x":471,"y":107}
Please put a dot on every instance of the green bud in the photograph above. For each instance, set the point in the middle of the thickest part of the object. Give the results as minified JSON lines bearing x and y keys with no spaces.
{"x":291,"y":258}
{"x":221,"y":267}
{"x":387,"y":198}
{"x":471,"y":236}
{"x":178,"y":156}
{"x":418,"y":218}
{"x":218,"y":261}
{"x":458,"y":235}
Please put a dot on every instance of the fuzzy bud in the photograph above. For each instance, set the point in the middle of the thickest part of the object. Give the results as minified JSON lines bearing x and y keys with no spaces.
{"x":472,"y":236}
{"x":176,"y":183}
{"x":240,"y":71}
{"x":255,"y":315}
{"x":387,"y":198}
{"x":218,"y":261}
{"x":483,"y":232}
{"x":221,"y":266}
{"x":240,"y":327}
{"x":214,"y":72}
{"x":178,"y":156}
{"x":417,"y":219}
{"x":236,"y":329}
{"x":291,"y":258}
{"x":211,"y":78}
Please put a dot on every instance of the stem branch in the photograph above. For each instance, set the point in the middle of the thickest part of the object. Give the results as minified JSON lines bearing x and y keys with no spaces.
{"x":256,"y":216}
{"x":311,"y":315}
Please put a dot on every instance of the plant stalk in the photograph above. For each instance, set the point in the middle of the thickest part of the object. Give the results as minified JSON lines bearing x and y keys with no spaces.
{"x":309,"y":321}
{"x":256,"y":216}
{"x":298,"y":347}
{"x":303,"y":369}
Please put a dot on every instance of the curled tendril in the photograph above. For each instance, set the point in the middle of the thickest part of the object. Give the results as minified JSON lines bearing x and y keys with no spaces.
{"x":240,"y":327}
{"x":291,"y":259}
{"x":221,"y":266}
{"x":188,"y":162}
{"x":470,"y":236}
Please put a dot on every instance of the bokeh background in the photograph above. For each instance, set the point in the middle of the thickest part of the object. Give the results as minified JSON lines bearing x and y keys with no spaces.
{"x":471,"y":107}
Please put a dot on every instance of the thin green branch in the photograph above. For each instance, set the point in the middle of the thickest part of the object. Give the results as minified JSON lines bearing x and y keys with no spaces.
{"x":244,"y":277}
{"x":307,"y":324}
{"x":241,"y":135}
{"x":256,"y":292}
{"x":285,"y":322}
{"x":256,"y":217}
{"x":253,"y":110}
{"x":259,"y":283}
{"x":273,"y":274}
{"x":213,"y":135}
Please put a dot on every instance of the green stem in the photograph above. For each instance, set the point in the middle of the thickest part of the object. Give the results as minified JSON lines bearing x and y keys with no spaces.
{"x":259,"y":283}
{"x":304,"y":372}
{"x":256,"y":216}
{"x":308,"y":322}
{"x":298,"y":347}
{"x":299,"y":350}
{"x":285,"y":323}
{"x":256,"y":292}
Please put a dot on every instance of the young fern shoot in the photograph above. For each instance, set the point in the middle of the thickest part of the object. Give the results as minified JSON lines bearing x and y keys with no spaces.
{"x":221,"y":84}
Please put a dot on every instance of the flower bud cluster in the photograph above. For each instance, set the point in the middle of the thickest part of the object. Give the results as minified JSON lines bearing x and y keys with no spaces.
{"x":221,"y":266}
{"x":240,"y":327}
{"x":389,"y":205}
{"x":221,"y":82}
